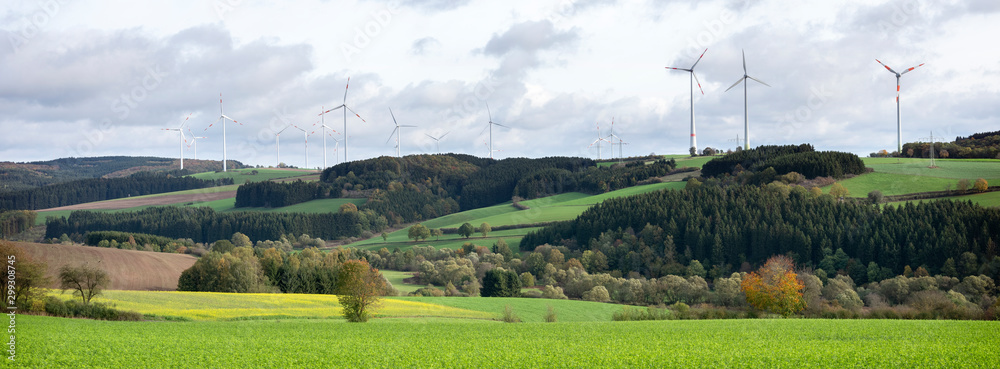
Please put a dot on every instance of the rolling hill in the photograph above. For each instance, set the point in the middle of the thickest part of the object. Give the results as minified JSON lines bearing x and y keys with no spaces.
{"x":128,"y":269}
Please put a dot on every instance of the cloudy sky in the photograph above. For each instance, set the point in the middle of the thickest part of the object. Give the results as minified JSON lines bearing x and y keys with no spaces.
{"x":93,"y":78}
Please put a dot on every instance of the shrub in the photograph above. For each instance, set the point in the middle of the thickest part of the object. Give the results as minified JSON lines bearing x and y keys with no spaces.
{"x":509,"y":316}
{"x":682,"y":310}
{"x":427,"y":292}
{"x":550,"y":314}
{"x":550,"y":292}
{"x":598,"y":293}
{"x":73,"y":309}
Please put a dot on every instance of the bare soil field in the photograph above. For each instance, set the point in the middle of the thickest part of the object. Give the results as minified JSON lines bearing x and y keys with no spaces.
{"x":128,"y":269}
{"x":148,"y":201}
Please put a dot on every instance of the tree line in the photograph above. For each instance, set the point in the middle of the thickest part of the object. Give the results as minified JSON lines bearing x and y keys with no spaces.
{"x":726,"y":226}
{"x":985,"y":145}
{"x":206,"y":225}
{"x":13,"y":222}
{"x":594,"y":180}
{"x":803,"y":159}
{"x":98,"y":189}
{"x":268,"y":194}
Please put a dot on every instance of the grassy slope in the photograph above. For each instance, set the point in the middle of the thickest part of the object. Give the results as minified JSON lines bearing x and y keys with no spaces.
{"x":565,"y":206}
{"x":397,"y":277}
{"x":242,"y":176}
{"x":788,"y":343}
{"x":902,"y":176}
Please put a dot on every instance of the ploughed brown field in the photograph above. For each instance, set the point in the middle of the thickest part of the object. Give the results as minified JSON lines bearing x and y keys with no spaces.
{"x":128,"y":269}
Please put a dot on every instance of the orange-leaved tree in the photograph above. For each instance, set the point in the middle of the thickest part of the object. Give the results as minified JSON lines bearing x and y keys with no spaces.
{"x":775,"y":287}
{"x":358,"y":289}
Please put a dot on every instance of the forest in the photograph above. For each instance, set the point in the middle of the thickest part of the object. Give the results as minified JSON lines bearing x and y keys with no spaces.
{"x":13,"y":222}
{"x":22,"y":176}
{"x":99,"y":189}
{"x":802,"y":159}
{"x":268,"y":194}
{"x":726,"y":226}
{"x":206,"y":225}
{"x":985,"y":145}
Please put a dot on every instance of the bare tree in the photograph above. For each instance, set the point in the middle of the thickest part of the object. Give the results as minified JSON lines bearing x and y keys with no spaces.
{"x":85,"y":280}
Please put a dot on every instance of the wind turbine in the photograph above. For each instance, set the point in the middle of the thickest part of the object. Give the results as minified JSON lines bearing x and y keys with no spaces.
{"x":437,"y":140}
{"x":899,"y":131}
{"x":598,"y":142}
{"x":305,"y":138}
{"x":746,"y":119}
{"x":612,"y":138}
{"x":194,"y":142}
{"x":180,"y":135}
{"x":490,"y":127}
{"x":323,"y":125}
{"x":394,"y":131}
{"x":277,"y":147}
{"x":346,"y":108}
{"x":223,"y":117}
{"x":694,"y":78}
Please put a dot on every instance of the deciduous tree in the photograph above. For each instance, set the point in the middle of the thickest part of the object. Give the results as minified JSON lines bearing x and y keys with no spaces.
{"x":418,"y":232}
{"x":29,"y":276}
{"x":485,"y":229}
{"x":466,"y":230}
{"x":85,"y":280}
{"x":775,"y":287}
{"x":359,"y":289}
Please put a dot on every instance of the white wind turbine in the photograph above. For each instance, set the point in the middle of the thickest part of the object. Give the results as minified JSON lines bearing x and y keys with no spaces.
{"x":899,"y":130}
{"x":598,"y":142}
{"x":490,"y":127}
{"x":305,"y":153}
{"x":180,"y":135}
{"x":194,"y":142}
{"x":325,"y":127}
{"x":277,"y":146}
{"x":694,"y":78}
{"x":395,"y":131}
{"x":611,"y":139}
{"x":437,"y":140}
{"x":746,"y":119}
{"x":346,"y":108}
{"x":223,"y":118}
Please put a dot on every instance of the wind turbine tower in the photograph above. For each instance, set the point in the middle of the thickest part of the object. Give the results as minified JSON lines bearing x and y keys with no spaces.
{"x":694,"y":78}
{"x":181,"y":141}
{"x":746,"y":118}
{"x":598,"y":142}
{"x":277,"y":147}
{"x":326,"y":127}
{"x":305,"y":138}
{"x":396,"y":132}
{"x":223,"y":118}
{"x":490,"y":127}
{"x":194,"y":142}
{"x":899,"y":130}
{"x":346,"y":108}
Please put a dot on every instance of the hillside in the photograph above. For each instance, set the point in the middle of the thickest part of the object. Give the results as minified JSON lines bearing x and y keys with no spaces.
{"x":20,"y":176}
{"x":128,"y":269}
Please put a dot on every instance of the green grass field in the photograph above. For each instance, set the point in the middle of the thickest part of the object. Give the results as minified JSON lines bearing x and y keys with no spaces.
{"x":241,"y":176}
{"x":989,"y":199}
{"x":396,"y":278}
{"x":46,"y":342}
{"x":947,"y":168}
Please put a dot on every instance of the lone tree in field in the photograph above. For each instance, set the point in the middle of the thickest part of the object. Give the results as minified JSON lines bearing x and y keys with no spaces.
{"x":485,"y":229}
{"x":775,"y":287}
{"x":358,"y":289}
{"x":466,"y":230}
{"x":981,"y":185}
{"x":418,"y":232}
{"x":85,"y":280}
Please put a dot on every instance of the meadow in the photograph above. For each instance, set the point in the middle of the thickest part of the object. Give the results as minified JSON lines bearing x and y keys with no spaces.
{"x":241,"y":176}
{"x":433,"y":342}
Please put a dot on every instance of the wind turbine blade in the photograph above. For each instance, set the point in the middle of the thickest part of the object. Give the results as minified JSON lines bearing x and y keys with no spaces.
{"x":498,"y":124}
{"x":210,"y":125}
{"x":393,"y":118}
{"x":485,"y":128}
{"x":432,"y":137}
{"x":355,"y":114}
{"x":390,"y":135}
{"x":737,"y":82}
{"x":189,"y":115}
{"x":488,"y":112}
{"x":332,"y":109}
{"x":887,"y":67}
{"x":699,"y":82}
{"x":345,"y":90}
{"x":761,"y":82}
{"x":686,"y":70}
{"x":408,"y":126}
{"x":908,"y":70}
{"x":445,"y":134}
{"x":699,"y":59}
{"x":744,"y":62}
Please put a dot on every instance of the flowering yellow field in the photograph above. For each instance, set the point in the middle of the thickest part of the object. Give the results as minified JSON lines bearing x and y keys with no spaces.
{"x":233,"y":306}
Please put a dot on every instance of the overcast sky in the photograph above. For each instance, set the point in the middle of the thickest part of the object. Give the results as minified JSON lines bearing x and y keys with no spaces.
{"x":94,"y":78}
